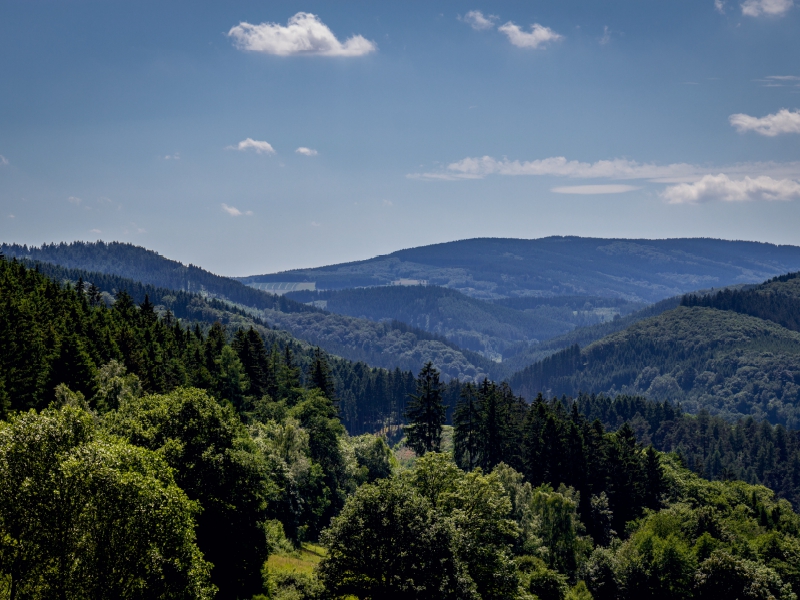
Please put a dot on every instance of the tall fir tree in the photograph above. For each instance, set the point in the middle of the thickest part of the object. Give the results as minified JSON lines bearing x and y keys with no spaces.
{"x":426,"y":413}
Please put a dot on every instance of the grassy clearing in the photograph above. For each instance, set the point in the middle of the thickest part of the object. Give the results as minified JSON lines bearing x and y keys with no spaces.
{"x":302,"y":561}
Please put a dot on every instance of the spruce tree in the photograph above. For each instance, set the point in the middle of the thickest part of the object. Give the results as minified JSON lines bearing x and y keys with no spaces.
{"x":426,"y":413}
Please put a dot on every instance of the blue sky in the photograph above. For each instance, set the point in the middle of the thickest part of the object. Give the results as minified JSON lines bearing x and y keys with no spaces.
{"x":177,"y":125}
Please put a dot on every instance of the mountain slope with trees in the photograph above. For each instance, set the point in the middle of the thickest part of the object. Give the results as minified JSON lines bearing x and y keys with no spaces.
{"x":493,"y":329}
{"x":633,"y":269}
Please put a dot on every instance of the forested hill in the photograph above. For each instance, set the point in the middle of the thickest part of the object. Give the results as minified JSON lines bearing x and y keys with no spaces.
{"x":726,"y":362}
{"x":149,"y":267}
{"x":640,"y":270}
{"x":61,"y":325}
{"x":777,"y":300}
{"x":386,"y":345}
{"x":495,"y":329}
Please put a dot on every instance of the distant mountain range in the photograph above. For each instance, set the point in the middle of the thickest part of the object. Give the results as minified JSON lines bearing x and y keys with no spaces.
{"x":637,"y":270}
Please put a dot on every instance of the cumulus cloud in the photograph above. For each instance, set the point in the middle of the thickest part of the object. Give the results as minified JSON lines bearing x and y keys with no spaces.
{"x":251,"y":144}
{"x":3,"y":161}
{"x":609,"y":188}
{"x":757,"y":8}
{"x":304,"y":34}
{"x":538,"y":35}
{"x":306,"y":151}
{"x":478,"y":21}
{"x":724,"y":189}
{"x":783,"y":121}
{"x":235,"y":212}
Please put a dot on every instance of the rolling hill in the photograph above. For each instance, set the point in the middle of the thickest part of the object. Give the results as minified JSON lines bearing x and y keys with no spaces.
{"x":734,"y":353}
{"x":634,"y":269}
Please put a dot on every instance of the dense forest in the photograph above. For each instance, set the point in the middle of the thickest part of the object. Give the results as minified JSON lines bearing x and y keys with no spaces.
{"x":636,"y":270}
{"x":143,"y":455}
{"x":389,"y":344}
{"x":729,"y":363}
{"x":495,"y":329}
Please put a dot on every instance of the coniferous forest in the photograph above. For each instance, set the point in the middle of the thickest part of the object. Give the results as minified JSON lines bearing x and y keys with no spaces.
{"x":162,"y":444}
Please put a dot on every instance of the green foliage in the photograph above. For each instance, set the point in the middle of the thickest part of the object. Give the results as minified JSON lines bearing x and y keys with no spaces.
{"x":731,"y":364}
{"x":364,"y":539}
{"x":426,"y":413}
{"x":218,"y":465}
{"x":83,"y":515}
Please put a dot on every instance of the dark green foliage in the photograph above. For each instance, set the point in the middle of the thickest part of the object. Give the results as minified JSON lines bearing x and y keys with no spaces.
{"x":426,"y":413}
{"x":83,"y":515}
{"x":363,"y":543}
{"x":216,"y":464}
{"x":776,"y":300}
{"x":728,"y":363}
{"x":550,"y":445}
{"x":711,"y":446}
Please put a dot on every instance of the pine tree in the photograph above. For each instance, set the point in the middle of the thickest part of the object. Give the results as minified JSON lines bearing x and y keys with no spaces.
{"x":426,"y":413}
{"x":320,"y":376}
{"x":467,"y":429}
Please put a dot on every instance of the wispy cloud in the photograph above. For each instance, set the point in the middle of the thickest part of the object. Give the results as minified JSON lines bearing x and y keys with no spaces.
{"x":95,"y":231}
{"x":606,"y":36}
{"x":11,"y":217}
{"x":74,"y":200}
{"x":595,"y":189}
{"x":3,"y":161}
{"x":783,"y":121}
{"x":721,"y":188}
{"x":251,"y":144}
{"x":176,"y":156}
{"x":304,"y":34}
{"x":235,"y":212}
{"x":306,"y":151}
{"x":618,"y":168}
{"x":537,"y":37}
{"x":478,"y":21}
{"x":757,"y":8}
{"x":720,"y":6}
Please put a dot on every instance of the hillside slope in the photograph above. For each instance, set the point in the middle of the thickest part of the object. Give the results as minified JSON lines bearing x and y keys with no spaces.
{"x":495,"y":329}
{"x":729,"y":363}
{"x":634,"y":269}
{"x":386,"y":345}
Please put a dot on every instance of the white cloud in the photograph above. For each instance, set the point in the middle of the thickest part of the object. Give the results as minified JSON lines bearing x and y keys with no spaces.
{"x":176,"y":156}
{"x":595,"y":189}
{"x":250,"y":143}
{"x":388,"y":203}
{"x":304,"y":34}
{"x":538,"y":36}
{"x":235,"y":212}
{"x":95,"y":231}
{"x":783,"y":121}
{"x":756,"y":8}
{"x":606,"y":36}
{"x":783,"y":77}
{"x":618,"y":168}
{"x":478,"y":21}
{"x":11,"y":217}
{"x":719,"y":5}
{"x":3,"y":161}
{"x":74,"y":200}
{"x":306,"y":151}
{"x":722,"y":188}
